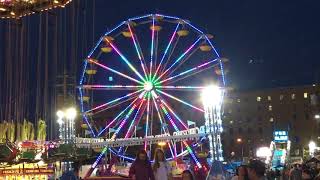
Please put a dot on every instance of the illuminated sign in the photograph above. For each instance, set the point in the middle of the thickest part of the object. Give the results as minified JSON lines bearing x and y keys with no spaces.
{"x":25,"y":171}
{"x":281,"y":136}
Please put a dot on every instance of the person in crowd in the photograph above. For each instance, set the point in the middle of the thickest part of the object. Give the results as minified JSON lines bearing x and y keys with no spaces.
{"x":187,"y":175}
{"x":161,"y":168}
{"x":256,"y":170}
{"x":241,"y":173}
{"x":295,"y":172}
{"x":141,"y":168}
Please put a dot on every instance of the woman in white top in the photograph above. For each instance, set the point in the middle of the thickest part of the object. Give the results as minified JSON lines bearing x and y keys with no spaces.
{"x":161,"y":168}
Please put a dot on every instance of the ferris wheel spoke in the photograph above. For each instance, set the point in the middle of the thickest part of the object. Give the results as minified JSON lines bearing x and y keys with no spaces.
{"x":189,"y":71}
{"x":177,"y":129}
{"x":138,"y":50}
{"x":152,"y":48}
{"x":125,"y":60}
{"x":183,"y":61}
{"x":164,"y":128}
{"x":110,"y":87}
{"x":180,"y":58}
{"x":124,"y":121}
{"x":114,"y":71}
{"x":115,"y":104}
{"x":166,"y":51}
{"x":147,"y":121}
{"x":118,"y":116}
{"x":113,"y":101}
{"x":163,"y":102}
{"x":179,"y":100}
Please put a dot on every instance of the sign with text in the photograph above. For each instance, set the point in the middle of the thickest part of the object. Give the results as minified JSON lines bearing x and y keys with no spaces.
{"x":281,"y":136}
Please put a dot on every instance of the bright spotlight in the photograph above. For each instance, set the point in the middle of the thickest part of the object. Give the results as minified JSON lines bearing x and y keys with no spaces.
{"x":264,"y":152}
{"x":212,"y":95}
{"x":317,"y":116}
{"x":60,"y":114}
{"x":71,"y":113}
{"x":148,"y":86}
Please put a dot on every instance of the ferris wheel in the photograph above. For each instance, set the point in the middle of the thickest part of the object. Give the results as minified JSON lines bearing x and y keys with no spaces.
{"x":144,"y":77}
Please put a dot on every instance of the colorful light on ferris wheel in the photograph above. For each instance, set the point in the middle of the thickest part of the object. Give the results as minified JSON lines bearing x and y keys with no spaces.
{"x":154,"y":80}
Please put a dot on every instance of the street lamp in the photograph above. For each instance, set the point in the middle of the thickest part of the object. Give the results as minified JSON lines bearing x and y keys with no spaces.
{"x":317,"y":116}
{"x":312,"y":148}
{"x":239,"y":140}
{"x":212,"y":97}
{"x":66,"y":124}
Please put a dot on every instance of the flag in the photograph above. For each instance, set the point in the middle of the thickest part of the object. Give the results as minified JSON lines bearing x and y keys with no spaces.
{"x":190,"y":123}
{"x":163,"y":125}
{"x":138,"y":128}
{"x":112,"y":130}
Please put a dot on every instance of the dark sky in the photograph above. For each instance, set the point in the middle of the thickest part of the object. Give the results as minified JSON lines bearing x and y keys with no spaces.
{"x":269,"y":42}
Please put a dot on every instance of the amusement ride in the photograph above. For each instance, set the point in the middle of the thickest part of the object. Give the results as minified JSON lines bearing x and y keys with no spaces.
{"x":142,"y":85}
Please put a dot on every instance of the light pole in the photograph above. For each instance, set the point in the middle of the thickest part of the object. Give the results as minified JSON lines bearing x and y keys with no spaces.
{"x":239,"y":140}
{"x":212,"y":97}
{"x":66,"y":124}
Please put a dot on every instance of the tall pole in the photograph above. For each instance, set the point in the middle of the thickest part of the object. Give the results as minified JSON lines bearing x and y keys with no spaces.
{"x":212,"y":101}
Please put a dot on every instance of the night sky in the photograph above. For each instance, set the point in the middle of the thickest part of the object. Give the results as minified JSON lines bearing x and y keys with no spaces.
{"x":269,"y":43}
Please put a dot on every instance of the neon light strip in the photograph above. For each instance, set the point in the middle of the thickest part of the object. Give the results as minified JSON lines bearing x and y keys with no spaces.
{"x":192,"y":26}
{"x":176,"y":128}
{"x":189,"y":71}
{"x":179,"y":100}
{"x":94,"y":165}
{"x":181,"y":87}
{"x":166,"y":51}
{"x":113,"y":101}
{"x":125,"y":60}
{"x":221,"y":64}
{"x":179,"y":59}
{"x":134,"y":120}
{"x":111,"y":87}
{"x":114,"y":71}
{"x":116,"y":118}
{"x":175,"y":115}
{"x":147,"y":121}
{"x":141,"y":96}
{"x":152,"y":48}
{"x":161,"y":121}
{"x":123,"y":121}
{"x":140,"y":17}
{"x":83,"y":72}
{"x":138,"y":52}
{"x":83,"y":115}
{"x":169,"y":17}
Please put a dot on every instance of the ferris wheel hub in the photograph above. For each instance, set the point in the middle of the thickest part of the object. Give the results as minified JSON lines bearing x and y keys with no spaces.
{"x":148,"y":86}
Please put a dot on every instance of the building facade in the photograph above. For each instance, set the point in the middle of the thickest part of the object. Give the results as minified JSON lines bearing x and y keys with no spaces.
{"x":251,"y":117}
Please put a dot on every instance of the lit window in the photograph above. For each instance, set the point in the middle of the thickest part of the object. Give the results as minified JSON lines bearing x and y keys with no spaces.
{"x":281,"y":97}
{"x":293,"y":96}
{"x":258,"y":98}
{"x":269,"y":98}
{"x":271,"y":119}
{"x":231,"y":122}
{"x":238,"y":100}
{"x":305,"y":95}
{"x":270,"y":108}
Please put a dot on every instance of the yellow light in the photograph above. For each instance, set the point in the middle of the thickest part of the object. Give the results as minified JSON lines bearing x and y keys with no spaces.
{"x":239,"y":140}
{"x":12,"y":13}
{"x":56,"y":2}
{"x":71,"y":113}
{"x":162,"y":143}
{"x":3,"y":9}
{"x":60,"y":114}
